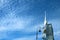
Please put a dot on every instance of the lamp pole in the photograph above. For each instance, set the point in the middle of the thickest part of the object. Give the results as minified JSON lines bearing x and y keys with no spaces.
{"x":37,"y":33}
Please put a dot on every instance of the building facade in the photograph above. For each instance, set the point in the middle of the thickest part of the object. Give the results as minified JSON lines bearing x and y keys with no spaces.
{"x":48,"y":32}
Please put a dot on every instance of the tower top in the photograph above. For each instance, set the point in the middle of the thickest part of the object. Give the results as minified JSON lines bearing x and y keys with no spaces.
{"x":45,"y":20}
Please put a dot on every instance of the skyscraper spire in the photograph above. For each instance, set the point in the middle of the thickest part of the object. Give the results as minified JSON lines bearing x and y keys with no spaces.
{"x":45,"y":21}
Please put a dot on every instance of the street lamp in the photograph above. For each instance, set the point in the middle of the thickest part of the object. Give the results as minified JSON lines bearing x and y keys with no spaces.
{"x":37,"y":33}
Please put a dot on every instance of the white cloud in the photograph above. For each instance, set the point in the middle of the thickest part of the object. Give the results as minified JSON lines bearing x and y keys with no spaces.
{"x":26,"y":38}
{"x":32,"y":37}
{"x":10,"y":22}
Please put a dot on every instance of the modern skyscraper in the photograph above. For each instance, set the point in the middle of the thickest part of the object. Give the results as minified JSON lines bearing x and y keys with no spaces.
{"x":47,"y":31}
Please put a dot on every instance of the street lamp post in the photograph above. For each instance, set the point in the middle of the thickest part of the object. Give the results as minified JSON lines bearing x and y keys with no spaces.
{"x":37,"y":33}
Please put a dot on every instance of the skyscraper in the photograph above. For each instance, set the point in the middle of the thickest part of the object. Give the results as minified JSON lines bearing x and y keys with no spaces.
{"x":47,"y":31}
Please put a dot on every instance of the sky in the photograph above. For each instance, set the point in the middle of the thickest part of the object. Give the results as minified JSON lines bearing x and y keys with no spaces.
{"x":20,"y":19}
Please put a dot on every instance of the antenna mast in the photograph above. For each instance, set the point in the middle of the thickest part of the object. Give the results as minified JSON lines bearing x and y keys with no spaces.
{"x":45,"y":21}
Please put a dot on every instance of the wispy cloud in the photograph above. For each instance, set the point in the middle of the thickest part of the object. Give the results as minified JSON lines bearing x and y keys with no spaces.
{"x":26,"y":38}
{"x":11,"y":23}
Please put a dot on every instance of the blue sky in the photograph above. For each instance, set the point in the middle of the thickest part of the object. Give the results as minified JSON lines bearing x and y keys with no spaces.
{"x":19,"y":19}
